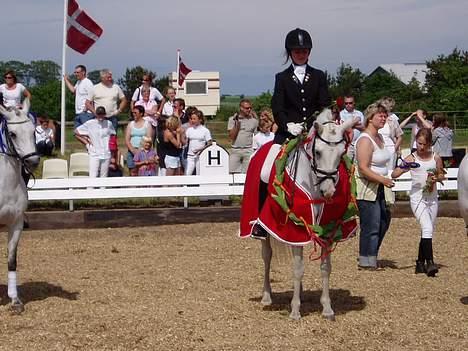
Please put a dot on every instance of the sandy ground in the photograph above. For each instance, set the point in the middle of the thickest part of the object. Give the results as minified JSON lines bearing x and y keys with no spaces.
{"x":198,"y":287}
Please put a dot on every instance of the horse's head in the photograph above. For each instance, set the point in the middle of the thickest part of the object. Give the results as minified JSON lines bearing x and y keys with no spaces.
{"x":17,"y":137}
{"x":327,"y":146}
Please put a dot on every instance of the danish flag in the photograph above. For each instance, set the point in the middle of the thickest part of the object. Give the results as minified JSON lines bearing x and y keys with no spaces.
{"x":82,"y":30}
{"x":183,"y":71}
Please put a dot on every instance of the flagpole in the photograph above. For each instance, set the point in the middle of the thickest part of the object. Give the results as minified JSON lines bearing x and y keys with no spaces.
{"x":177,"y":72}
{"x":64,"y":51}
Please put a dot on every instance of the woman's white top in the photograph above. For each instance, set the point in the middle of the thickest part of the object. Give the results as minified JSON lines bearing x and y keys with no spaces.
{"x":380,"y":156}
{"x":12,"y":97}
{"x":419,"y":175}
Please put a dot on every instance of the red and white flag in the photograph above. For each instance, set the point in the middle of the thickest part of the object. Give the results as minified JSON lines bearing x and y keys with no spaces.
{"x":82,"y":30}
{"x":183,"y":71}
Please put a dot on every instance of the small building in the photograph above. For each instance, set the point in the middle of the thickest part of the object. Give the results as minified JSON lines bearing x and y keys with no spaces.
{"x":404,"y":71}
{"x":200,"y":89}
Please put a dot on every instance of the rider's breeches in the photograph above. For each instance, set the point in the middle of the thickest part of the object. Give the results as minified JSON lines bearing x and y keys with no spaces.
{"x":425,"y":211}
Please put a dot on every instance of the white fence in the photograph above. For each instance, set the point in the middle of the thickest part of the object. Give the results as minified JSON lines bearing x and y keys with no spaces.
{"x":168,"y":186}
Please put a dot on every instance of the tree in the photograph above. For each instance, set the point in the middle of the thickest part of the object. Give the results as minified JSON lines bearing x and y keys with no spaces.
{"x":447,"y":81}
{"x":262,"y":101}
{"x":46,"y":100}
{"x":379,"y":85}
{"x":42,"y":72}
{"x":21,"y":70}
{"x":95,"y":76}
{"x":348,"y":81}
{"x":132,"y":79}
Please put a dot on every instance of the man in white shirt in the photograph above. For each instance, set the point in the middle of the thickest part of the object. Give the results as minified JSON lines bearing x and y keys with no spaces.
{"x":108,"y":95}
{"x":95,"y":134}
{"x":81,"y":89}
{"x":349,"y":112}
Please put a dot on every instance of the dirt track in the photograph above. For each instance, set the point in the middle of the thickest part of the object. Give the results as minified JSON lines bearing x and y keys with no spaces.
{"x":198,"y":287}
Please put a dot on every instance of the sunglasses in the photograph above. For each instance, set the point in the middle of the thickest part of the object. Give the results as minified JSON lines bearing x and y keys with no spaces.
{"x":349,"y":103}
{"x":8,"y":77}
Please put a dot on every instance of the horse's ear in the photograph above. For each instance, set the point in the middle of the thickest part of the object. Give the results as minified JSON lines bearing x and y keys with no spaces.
{"x":26,"y":105}
{"x":318,"y":127}
{"x":349,"y":123}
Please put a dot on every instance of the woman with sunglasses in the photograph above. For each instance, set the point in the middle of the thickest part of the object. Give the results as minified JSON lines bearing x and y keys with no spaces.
{"x":12,"y":91}
{"x":155,"y":94}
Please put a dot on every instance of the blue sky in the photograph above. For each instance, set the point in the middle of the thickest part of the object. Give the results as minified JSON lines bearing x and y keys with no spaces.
{"x":243,"y":40}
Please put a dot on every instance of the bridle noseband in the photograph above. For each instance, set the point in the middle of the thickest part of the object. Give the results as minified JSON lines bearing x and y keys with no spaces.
{"x":324,"y":174}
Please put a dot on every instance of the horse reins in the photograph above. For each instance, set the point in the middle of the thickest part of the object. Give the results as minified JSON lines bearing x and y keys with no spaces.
{"x":325,"y":174}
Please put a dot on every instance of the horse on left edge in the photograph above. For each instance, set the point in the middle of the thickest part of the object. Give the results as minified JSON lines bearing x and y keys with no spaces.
{"x":17,"y":150}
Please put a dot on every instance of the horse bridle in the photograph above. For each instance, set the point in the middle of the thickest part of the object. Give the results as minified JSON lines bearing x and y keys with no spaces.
{"x":8,"y":148}
{"x":324,"y":174}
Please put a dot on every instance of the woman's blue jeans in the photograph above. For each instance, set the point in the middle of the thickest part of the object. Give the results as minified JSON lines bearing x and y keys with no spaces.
{"x":374,"y":220}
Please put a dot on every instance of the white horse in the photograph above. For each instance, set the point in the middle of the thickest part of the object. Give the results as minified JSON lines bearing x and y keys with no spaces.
{"x":462,"y":181}
{"x":314,"y":167}
{"x":17,"y":150}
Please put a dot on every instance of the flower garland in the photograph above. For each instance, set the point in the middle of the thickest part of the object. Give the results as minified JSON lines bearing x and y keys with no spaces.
{"x":326,"y":234}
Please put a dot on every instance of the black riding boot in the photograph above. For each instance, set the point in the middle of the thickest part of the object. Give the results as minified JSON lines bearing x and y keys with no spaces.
{"x":257,"y":231}
{"x":420,"y":264}
{"x":431,"y":267}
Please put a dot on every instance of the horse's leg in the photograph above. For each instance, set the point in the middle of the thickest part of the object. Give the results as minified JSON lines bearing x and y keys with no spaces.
{"x":325,"y":269}
{"x":14,"y":233}
{"x":298,"y":273}
{"x":266,"y":255}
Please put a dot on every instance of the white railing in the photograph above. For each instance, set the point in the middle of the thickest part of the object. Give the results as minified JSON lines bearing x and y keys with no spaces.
{"x":168,"y":186}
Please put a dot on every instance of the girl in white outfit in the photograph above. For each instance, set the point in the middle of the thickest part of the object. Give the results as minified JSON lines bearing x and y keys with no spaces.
{"x":198,"y":138}
{"x":423,"y":195}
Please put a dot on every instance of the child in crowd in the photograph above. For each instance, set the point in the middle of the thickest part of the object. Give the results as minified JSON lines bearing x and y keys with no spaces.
{"x":146,"y":159}
{"x":173,"y":140}
{"x":443,"y":139}
{"x":95,"y":134}
{"x":426,"y":169}
{"x":168,"y":109}
{"x":266,"y":114}
{"x":264,"y":135}
{"x":114,"y":166}
{"x":421,"y":122}
{"x":44,"y":138}
{"x":198,"y":137}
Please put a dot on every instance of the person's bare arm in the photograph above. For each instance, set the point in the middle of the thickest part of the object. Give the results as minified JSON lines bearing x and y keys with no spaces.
{"x":235,"y":130}
{"x":69,"y":84}
{"x":90,"y":106}
{"x":406,"y":120}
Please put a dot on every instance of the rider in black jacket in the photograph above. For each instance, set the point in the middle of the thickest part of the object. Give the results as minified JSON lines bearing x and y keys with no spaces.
{"x":300,"y":90}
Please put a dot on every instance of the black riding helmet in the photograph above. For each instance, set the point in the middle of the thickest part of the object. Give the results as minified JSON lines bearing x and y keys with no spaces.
{"x":298,"y":39}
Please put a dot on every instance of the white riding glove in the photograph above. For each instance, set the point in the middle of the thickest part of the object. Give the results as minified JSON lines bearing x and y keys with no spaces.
{"x":295,"y":128}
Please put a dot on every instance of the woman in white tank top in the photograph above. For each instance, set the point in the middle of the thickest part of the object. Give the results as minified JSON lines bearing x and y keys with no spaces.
{"x":371,"y":180}
{"x":423,"y":195}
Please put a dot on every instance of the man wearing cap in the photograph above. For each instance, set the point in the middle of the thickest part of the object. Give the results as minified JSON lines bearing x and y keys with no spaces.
{"x":95,"y":134}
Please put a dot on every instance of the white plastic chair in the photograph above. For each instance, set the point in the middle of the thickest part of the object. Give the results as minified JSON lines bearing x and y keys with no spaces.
{"x":79,"y":163}
{"x":55,"y":168}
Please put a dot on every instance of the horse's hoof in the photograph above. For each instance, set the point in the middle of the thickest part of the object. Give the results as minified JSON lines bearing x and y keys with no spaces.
{"x":16,"y":307}
{"x":266,"y":301}
{"x":295,"y":315}
{"x":329,"y":317}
